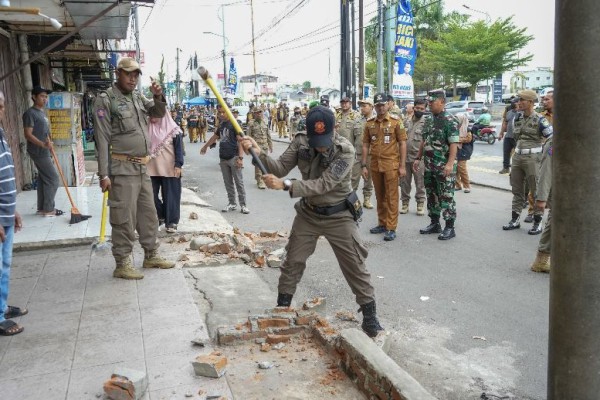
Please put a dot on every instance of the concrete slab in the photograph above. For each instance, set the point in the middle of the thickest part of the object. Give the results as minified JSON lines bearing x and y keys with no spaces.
{"x":234,"y":291}
{"x":190,"y":198}
{"x":51,"y":386}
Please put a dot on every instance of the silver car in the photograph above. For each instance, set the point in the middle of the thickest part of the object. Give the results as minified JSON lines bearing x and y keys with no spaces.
{"x":471,"y":108}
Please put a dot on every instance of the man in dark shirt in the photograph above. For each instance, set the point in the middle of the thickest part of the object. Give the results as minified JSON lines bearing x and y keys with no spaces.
{"x":37,"y":133}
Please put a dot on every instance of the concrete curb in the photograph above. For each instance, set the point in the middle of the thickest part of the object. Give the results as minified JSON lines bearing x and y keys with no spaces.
{"x":53,"y":244}
{"x":485,"y":185}
{"x":375,"y":373}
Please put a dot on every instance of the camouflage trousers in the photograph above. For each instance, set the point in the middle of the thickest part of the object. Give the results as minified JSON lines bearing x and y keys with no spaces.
{"x":440,"y":194}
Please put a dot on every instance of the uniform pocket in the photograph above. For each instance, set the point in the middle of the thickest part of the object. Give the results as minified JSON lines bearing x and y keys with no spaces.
{"x":360,"y":249}
{"x":127,"y":121}
{"x":119,"y":212}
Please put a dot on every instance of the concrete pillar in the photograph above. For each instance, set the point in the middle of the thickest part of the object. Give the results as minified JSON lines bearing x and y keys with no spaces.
{"x":574,"y":342}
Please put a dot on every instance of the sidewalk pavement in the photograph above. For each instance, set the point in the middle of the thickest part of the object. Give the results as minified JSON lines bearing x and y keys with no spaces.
{"x":82,"y":323}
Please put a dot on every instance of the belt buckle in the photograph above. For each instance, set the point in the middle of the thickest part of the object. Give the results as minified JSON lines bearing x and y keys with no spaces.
{"x":135,"y":160}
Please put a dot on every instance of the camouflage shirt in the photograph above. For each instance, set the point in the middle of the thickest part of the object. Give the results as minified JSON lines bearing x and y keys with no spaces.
{"x":439,"y":132}
{"x":259,"y":131}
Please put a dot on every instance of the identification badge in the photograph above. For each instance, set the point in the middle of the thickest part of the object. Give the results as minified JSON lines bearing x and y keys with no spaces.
{"x":373,"y":138}
{"x":386,"y":139}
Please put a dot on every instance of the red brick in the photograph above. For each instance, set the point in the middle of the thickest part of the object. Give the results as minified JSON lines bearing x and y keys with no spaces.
{"x":290,"y":331}
{"x":273,"y":339}
{"x":304,"y":320}
{"x":278,"y":310}
{"x":359,"y":373}
{"x":227,"y":339}
{"x":385,"y":384}
{"x":264,"y":324}
{"x":119,"y":388}
{"x":377,"y":391}
{"x":396,"y":395}
{"x":253,"y":335}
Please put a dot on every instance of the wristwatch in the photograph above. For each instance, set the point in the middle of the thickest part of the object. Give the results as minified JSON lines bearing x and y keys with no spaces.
{"x":287,"y":185}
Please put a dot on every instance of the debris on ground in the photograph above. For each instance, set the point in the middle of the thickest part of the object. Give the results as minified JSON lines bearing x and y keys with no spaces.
{"x":193,"y":215}
{"x":265,"y":365}
{"x":317,"y":304}
{"x":199,"y":342}
{"x":211,"y":365}
{"x":424,"y":298}
{"x":126,"y":384}
{"x":346,"y":316}
{"x":480,"y":338}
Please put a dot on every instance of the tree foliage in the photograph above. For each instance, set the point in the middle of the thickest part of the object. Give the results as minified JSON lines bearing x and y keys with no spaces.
{"x":473,"y":52}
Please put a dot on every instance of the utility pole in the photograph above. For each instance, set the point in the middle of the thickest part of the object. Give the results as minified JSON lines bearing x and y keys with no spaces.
{"x":380,"y":12}
{"x":573,"y":346}
{"x":345,"y":50}
{"x":361,"y":50}
{"x":177,"y":78}
{"x":353,"y":80}
{"x":224,"y":48}
{"x":255,"y":90}
{"x":136,"y":19}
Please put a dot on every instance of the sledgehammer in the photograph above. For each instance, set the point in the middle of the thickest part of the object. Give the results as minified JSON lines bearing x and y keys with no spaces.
{"x":203,"y":72}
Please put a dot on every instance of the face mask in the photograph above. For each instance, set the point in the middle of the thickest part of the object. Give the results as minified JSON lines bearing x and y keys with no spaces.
{"x":419,"y":114}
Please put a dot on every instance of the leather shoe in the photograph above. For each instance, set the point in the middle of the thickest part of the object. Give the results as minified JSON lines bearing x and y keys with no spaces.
{"x":447,"y":234}
{"x":536,"y":229}
{"x":389,"y":236}
{"x":434,"y":227}
{"x":528,"y":218}
{"x":378,"y":229}
{"x":512,"y":224}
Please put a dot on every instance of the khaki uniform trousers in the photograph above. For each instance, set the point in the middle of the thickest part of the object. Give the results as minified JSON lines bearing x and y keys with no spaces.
{"x":281,"y":128}
{"x":406,"y":183}
{"x":132,"y":208}
{"x":524,"y":169}
{"x":387,"y":194}
{"x":203,"y":133}
{"x":462,"y":175}
{"x":194,"y":133}
{"x":341,"y":231}
{"x":546,"y":237}
{"x":356,"y":177}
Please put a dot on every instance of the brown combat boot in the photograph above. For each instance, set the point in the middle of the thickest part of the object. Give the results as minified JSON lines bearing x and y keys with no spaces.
{"x":541,"y":262}
{"x":367,"y":202}
{"x":404,"y":209}
{"x":420,"y":208}
{"x":153,"y":260}
{"x":125,"y":270}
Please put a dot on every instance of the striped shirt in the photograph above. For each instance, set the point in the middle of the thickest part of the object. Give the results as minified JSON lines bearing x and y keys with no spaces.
{"x":8,"y":186}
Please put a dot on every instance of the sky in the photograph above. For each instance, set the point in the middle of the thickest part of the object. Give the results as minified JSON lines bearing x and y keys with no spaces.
{"x":296,"y":40}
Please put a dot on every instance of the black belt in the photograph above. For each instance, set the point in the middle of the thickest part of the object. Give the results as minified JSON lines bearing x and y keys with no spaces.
{"x":329,"y":210}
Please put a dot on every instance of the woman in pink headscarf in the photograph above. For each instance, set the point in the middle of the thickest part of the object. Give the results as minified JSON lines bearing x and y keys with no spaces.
{"x":164,"y":168}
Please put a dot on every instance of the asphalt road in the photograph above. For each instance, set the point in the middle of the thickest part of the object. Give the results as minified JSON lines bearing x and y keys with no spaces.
{"x":467,"y":316}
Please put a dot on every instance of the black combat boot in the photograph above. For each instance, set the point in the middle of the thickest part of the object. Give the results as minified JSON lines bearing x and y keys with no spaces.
{"x":370,"y":323}
{"x":536,"y":228}
{"x":448,"y":232}
{"x":284,"y":300}
{"x":434,"y":227}
{"x":513,"y":223}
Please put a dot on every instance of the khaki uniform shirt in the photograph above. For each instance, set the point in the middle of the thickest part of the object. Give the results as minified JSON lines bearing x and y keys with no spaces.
{"x":121,"y":127}
{"x":543,"y":188}
{"x":414,"y":129}
{"x":259,"y":131}
{"x":326,"y":178}
{"x":530,"y":131}
{"x":384,"y":136}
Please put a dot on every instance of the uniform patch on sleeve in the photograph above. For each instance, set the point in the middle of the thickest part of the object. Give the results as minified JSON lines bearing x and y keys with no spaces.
{"x":304,"y":153}
{"x":550,"y":151}
{"x":101,"y":113}
{"x":338,"y":167}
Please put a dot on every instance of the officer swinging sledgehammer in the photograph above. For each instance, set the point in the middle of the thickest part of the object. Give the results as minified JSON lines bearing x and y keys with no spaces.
{"x":327,"y":207}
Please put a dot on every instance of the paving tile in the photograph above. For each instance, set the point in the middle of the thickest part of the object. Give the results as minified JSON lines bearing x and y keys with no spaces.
{"x":27,"y":266}
{"x":172,"y":297}
{"x":157,"y":318}
{"x":54,"y":288}
{"x":46,"y":330}
{"x":171,"y":371}
{"x":21,"y":288}
{"x":108,"y":350}
{"x":53,"y":357}
{"x":174,"y":339}
{"x":86,"y":382}
{"x":52,"y":309}
{"x":75,"y":263}
{"x":115,"y":323}
{"x":207,"y":385}
{"x":51,"y":386}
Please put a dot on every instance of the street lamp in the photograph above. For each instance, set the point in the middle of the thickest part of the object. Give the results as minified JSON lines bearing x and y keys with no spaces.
{"x":225,"y":41}
{"x":489,"y":21}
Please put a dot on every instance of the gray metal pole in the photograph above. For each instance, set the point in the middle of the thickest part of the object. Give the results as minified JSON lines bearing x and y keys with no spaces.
{"x":574,"y":344}
{"x":353,"y":79}
{"x":177,"y":78}
{"x":380,"y":11}
{"x":224,"y":48}
{"x":361,"y":51}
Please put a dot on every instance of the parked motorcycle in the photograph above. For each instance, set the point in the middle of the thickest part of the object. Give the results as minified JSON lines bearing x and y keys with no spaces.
{"x":486,"y":134}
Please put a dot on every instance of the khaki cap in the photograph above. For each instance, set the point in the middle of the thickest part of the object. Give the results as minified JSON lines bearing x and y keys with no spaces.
{"x":528,"y":95}
{"x":366,"y":101}
{"x":129,"y":64}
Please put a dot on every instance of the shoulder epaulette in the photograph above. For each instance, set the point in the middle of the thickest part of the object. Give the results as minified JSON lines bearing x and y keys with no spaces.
{"x":371,"y":118}
{"x":394,"y":116}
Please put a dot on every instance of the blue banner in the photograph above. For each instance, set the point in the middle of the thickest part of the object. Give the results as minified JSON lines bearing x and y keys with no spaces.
{"x":498,"y":89}
{"x":232,"y":83}
{"x":405,"y":53}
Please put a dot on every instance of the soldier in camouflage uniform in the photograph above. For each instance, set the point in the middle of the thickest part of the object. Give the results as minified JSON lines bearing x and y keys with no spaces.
{"x":438,"y":150}
{"x":543,"y":194}
{"x":294,"y":119}
{"x":259,"y":131}
{"x":325,"y":161}
{"x":530,"y":129}
{"x":350,"y":124}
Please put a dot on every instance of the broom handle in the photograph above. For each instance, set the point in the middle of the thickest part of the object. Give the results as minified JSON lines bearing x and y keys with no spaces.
{"x":103,"y":221}
{"x":62,"y":176}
